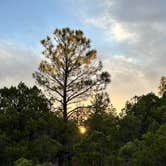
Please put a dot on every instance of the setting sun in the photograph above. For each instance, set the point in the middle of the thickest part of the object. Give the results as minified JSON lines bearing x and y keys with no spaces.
{"x":82,"y":129}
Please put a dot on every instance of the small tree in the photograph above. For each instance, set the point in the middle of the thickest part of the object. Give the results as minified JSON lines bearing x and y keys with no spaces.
{"x":70,"y":72}
{"x":101,"y":103}
{"x":162,"y":87}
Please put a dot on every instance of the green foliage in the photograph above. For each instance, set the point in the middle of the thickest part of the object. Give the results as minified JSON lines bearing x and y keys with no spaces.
{"x":27,"y":127}
{"x":45,"y":148}
{"x":91,"y":149}
{"x":143,"y":130}
{"x":138,"y":138}
{"x":32,"y":135}
{"x":23,"y":162}
{"x":151,"y":150}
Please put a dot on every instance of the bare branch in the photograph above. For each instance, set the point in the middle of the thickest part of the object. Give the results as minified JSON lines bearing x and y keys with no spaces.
{"x":80,"y":107}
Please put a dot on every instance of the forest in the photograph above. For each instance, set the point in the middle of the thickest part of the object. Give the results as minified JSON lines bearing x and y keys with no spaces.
{"x":67,"y":118}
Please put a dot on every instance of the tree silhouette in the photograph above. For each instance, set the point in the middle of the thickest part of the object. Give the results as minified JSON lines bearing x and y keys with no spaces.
{"x":70,"y":72}
{"x":162,"y":87}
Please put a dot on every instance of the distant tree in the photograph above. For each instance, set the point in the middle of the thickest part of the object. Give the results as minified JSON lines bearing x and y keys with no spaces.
{"x":100,"y":102}
{"x":141,"y":111}
{"x":162,"y":87}
{"x":23,"y":98}
{"x":70,"y":72}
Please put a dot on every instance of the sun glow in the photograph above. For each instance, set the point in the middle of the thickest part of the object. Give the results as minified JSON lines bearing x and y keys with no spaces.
{"x":82,"y":129}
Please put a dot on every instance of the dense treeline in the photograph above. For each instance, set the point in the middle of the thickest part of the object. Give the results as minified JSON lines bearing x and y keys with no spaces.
{"x":31,"y":134}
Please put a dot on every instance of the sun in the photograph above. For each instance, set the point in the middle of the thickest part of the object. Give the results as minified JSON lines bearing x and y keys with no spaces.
{"x":82,"y":129}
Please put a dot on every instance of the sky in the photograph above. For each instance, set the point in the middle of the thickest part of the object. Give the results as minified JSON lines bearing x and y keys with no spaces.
{"x":129,"y":35}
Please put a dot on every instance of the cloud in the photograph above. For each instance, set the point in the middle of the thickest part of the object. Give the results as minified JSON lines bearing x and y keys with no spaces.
{"x":138,"y":29}
{"x":120,"y":33}
{"x":17,"y":64}
{"x":138,"y":11}
{"x":112,"y":28}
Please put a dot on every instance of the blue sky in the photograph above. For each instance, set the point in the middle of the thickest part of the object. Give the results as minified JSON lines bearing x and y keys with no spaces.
{"x":26,"y":22}
{"x":129,"y":36}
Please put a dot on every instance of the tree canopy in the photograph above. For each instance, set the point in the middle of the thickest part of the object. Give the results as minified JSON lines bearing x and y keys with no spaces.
{"x":31,"y":134}
{"x":70,"y":72}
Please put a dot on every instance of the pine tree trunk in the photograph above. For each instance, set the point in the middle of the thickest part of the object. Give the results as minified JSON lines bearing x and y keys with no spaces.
{"x":61,"y":159}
